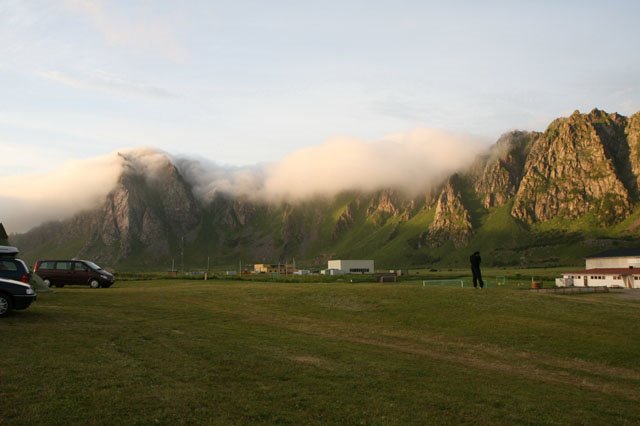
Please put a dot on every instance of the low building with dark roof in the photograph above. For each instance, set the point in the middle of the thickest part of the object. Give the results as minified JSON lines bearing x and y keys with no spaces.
{"x":611,"y":268}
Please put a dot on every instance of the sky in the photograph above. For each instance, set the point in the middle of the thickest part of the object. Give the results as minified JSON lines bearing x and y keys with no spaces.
{"x":242,"y":84}
{"x":245,"y":82}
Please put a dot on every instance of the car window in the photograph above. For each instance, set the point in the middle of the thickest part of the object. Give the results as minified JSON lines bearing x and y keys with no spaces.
{"x":24,"y":265}
{"x":78,"y":266}
{"x":47,"y":265}
{"x":63,"y":265}
{"x":7,"y":265}
{"x":94,"y":266}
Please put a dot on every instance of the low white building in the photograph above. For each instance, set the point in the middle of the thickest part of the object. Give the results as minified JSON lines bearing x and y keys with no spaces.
{"x":351,"y":266}
{"x":601,"y":277}
{"x":612,"y":268}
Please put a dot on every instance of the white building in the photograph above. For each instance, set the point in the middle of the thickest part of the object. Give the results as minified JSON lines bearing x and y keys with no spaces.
{"x":612,"y":268}
{"x":351,"y":266}
{"x":619,"y":258}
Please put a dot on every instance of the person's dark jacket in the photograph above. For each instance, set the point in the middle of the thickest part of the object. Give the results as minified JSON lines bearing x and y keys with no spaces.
{"x":475,"y":260}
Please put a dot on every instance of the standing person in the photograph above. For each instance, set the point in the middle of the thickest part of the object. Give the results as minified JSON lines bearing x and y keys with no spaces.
{"x":475,"y":260}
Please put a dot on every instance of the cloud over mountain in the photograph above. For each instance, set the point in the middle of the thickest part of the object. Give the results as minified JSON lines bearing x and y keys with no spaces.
{"x":410,"y":162}
{"x":26,"y":201}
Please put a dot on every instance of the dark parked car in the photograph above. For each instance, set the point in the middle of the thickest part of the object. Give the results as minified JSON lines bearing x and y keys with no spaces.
{"x":11,"y":267}
{"x":61,"y":272}
{"x":15,"y":295}
{"x":15,"y":269}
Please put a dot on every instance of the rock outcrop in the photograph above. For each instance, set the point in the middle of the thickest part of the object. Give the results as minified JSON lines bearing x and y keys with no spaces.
{"x":452,"y":221}
{"x":345,"y":221}
{"x":388,"y":204}
{"x":145,"y":214}
{"x":500,"y":172}
{"x":632,"y":133}
{"x":574,"y":169}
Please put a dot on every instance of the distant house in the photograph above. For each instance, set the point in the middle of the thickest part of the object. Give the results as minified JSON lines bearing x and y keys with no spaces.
{"x":273,"y":268}
{"x":351,"y":266}
{"x":612,"y":268}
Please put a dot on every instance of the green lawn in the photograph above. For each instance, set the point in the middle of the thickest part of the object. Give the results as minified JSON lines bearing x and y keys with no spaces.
{"x":195,"y":352}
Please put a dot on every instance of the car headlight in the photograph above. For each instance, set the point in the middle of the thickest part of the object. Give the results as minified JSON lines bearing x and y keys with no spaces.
{"x":30,"y":291}
{"x":104,"y":277}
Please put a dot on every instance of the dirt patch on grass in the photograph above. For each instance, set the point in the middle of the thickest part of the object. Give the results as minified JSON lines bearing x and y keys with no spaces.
{"x":309,"y":360}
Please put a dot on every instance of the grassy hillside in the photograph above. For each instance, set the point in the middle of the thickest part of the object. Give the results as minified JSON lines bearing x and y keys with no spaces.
{"x":394,"y":243}
{"x":194,"y":352}
{"x":307,"y":233}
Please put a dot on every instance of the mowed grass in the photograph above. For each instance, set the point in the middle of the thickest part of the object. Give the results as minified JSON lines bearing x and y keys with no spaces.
{"x":196,"y":352}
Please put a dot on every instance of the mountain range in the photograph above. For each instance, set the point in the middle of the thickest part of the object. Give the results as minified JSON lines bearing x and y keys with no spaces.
{"x":533,"y":199}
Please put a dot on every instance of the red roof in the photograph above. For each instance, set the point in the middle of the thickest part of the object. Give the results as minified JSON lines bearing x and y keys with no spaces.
{"x":607,"y":271}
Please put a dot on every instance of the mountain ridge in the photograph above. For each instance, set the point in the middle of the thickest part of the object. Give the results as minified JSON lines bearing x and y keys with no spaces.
{"x":569,"y":188}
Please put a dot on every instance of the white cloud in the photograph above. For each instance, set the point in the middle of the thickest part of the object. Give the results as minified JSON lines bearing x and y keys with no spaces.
{"x":411,"y":162}
{"x":209,"y":179}
{"x":28,"y":200}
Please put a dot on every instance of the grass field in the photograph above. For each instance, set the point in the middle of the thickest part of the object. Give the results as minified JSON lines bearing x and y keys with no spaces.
{"x":196,"y":352}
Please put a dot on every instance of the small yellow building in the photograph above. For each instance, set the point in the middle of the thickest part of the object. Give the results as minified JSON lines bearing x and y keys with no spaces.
{"x":273,"y":268}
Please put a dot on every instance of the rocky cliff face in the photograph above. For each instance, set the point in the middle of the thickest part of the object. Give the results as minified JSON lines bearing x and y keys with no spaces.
{"x":145,"y":214}
{"x":231,"y":212}
{"x":390,"y":203}
{"x":346,"y":220}
{"x":500,"y":172}
{"x":452,"y":221}
{"x":632,"y":132}
{"x":575,"y":168}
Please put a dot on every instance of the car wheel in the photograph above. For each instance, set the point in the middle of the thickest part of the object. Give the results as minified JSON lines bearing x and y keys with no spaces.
{"x":5,"y":305}
{"x":94,"y":284}
{"x":47,"y":282}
